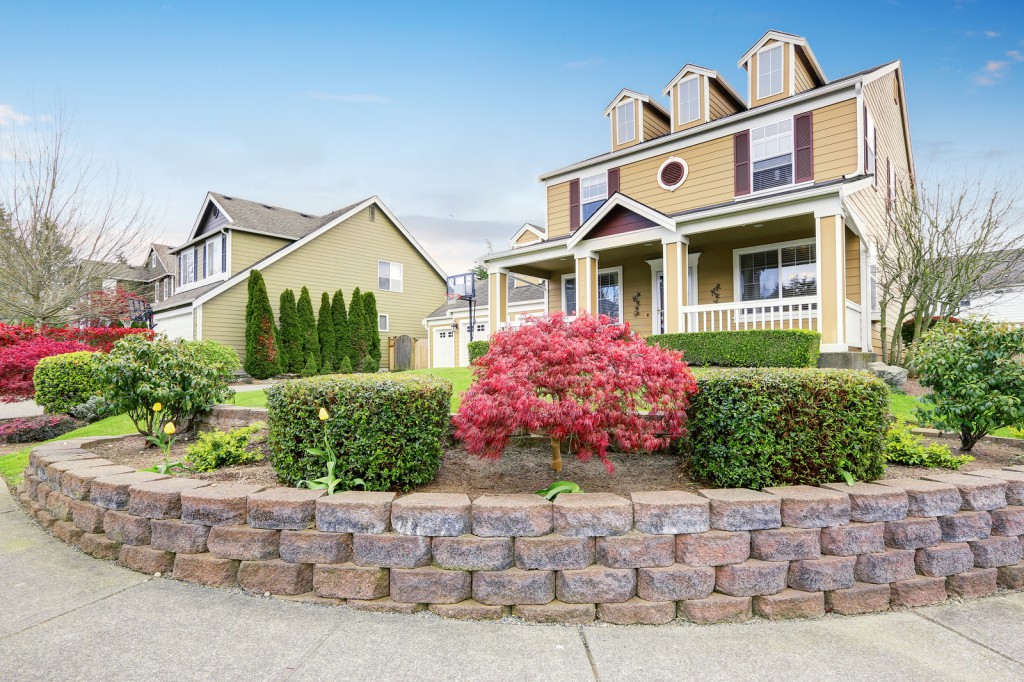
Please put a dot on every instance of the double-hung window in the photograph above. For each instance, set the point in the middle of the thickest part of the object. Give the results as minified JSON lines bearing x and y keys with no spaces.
{"x":389,"y":276}
{"x":213,"y":259}
{"x":569,"y":294}
{"x":769,"y":71}
{"x":771,"y":150}
{"x":593,"y":192}
{"x":382,"y":322}
{"x":625,"y":122}
{"x":689,"y":99}
{"x":609,"y":294}
{"x":778,"y":273}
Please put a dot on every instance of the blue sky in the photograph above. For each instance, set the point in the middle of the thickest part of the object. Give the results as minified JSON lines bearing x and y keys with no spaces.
{"x":450,"y":111}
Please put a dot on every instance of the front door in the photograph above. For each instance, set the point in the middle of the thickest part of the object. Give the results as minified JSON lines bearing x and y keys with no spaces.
{"x":659,"y":302}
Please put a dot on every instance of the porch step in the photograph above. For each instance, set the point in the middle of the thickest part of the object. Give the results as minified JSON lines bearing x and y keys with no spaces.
{"x":846,"y":360}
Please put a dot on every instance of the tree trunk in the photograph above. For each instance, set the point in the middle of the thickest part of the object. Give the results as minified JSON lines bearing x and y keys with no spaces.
{"x":556,"y":456}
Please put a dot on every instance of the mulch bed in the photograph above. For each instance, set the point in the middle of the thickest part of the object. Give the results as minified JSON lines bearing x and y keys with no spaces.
{"x":525,"y":467}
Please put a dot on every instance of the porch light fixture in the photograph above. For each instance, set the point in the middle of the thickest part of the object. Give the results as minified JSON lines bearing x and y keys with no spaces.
{"x":672,"y":173}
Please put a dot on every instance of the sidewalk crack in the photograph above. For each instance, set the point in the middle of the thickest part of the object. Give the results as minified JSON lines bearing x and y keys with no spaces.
{"x":590,"y":656}
{"x":969,"y":639}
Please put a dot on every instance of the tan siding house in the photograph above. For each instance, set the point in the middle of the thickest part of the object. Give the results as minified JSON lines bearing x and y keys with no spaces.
{"x":345,"y":249}
{"x":755,"y":212}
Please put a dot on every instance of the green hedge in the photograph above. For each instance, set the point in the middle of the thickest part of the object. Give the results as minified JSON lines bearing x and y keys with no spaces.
{"x":64,"y":381}
{"x":478,"y":349}
{"x":751,"y":428}
{"x":387,"y":429}
{"x":751,"y":348}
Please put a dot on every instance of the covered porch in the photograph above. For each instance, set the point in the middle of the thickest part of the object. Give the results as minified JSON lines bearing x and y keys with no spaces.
{"x":800,"y":268}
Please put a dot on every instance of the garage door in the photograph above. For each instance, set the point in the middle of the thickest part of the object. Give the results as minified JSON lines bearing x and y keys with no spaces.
{"x":444,"y":348}
{"x":479,"y":334}
{"x":176,"y":324}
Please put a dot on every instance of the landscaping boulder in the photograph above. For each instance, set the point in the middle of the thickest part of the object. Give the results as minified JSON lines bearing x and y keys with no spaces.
{"x":890,"y":374}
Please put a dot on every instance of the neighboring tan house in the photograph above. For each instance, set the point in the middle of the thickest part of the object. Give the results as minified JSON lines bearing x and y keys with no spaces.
{"x":362,"y":245}
{"x":718,"y":211}
{"x":448,"y":326}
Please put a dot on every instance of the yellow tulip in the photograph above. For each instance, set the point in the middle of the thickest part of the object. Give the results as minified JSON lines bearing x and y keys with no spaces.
{"x":323,"y":415}
{"x":157,"y":407}
{"x":169,"y":428}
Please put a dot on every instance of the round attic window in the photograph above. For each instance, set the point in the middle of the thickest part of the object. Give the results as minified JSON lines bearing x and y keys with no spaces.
{"x":672,"y":173}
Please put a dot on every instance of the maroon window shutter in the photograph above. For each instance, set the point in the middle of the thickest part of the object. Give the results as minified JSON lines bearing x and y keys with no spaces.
{"x":574,"y":204}
{"x":803,"y":147}
{"x":613,"y":181}
{"x":741,"y":163}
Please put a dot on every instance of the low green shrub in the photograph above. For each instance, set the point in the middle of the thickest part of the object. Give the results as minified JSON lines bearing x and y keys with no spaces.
{"x":750,"y":348}
{"x":387,"y":429}
{"x":904,"y":447}
{"x":92,"y":410}
{"x":221,"y":357}
{"x":216,"y":449}
{"x":478,"y":349}
{"x":63,"y":381}
{"x":142,"y":373}
{"x":752,"y":428}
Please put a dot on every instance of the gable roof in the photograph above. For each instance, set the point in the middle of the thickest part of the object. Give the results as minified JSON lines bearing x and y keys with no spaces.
{"x":528,"y":227}
{"x":163,"y":256}
{"x":783,"y":37}
{"x":528,"y":293}
{"x":615,"y":200}
{"x":710,"y":73}
{"x":632,"y":94}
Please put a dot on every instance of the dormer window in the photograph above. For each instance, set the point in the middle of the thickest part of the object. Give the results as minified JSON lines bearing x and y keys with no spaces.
{"x":769,"y":71}
{"x":689,"y":99}
{"x":625,"y":122}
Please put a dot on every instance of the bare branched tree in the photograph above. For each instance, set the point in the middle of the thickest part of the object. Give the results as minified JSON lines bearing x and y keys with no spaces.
{"x":941,"y":244}
{"x":66,"y":223}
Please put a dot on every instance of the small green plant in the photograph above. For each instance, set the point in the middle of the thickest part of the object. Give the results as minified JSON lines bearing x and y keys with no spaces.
{"x":330,"y":482}
{"x":906,"y":448}
{"x":165,"y":440}
{"x":63,"y":381}
{"x":557,"y":488}
{"x":216,"y":449}
{"x":310,"y":369}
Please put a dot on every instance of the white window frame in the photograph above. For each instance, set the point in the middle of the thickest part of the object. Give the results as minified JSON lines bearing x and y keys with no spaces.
{"x":391,"y":278}
{"x":565,"y":277}
{"x":603,"y":176}
{"x":167,"y":287}
{"x":695,"y":100}
{"x":387,"y":322}
{"x":737,"y":283}
{"x":622,"y":292}
{"x":782,"y":66}
{"x":619,"y":139}
{"x":871,"y":162}
{"x":792,"y":158}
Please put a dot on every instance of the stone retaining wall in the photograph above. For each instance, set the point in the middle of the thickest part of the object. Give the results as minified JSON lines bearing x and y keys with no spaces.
{"x":720,"y":556}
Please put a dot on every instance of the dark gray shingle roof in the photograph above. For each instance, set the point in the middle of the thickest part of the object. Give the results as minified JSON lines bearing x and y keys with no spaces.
{"x":521,"y":294}
{"x":259,"y":217}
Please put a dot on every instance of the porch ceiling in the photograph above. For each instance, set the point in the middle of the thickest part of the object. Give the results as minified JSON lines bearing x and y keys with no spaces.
{"x":766,"y":232}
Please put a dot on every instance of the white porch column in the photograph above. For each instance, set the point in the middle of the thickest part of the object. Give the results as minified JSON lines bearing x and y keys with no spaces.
{"x":831,"y":245}
{"x":675,"y":256}
{"x":497,"y":305}
{"x":586,"y":283}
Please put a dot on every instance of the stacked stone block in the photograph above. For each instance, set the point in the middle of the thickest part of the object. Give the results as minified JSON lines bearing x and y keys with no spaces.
{"x":715,"y":556}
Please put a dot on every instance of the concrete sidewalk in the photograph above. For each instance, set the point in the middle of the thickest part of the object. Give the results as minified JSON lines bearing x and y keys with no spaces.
{"x":64,"y":615}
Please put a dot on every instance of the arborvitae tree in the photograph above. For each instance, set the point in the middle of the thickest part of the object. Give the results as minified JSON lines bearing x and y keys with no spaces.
{"x":346,"y":366}
{"x":341,"y":335}
{"x":261,"y":359}
{"x":373,"y":326}
{"x":292,"y":359}
{"x":325,"y":332}
{"x":310,"y":368}
{"x":357,"y":337}
{"x":370,"y":365}
{"x":307,"y":327}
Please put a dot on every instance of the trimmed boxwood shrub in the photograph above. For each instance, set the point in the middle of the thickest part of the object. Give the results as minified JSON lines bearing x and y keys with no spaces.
{"x":64,"y":381}
{"x":478,"y":349}
{"x":750,"y":348}
{"x":751,"y":428}
{"x":387,"y":429}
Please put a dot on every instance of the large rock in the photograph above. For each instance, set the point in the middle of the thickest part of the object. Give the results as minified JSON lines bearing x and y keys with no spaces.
{"x":890,"y":374}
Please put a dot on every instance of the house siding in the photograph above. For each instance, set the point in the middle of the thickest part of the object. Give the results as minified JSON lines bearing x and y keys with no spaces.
{"x":343,"y":258}
{"x":558,"y":209}
{"x":803,"y":79}
{"x":527,"y":238}
{"x":835,"y":140}
{"x":655,"y":124}
{"x":247,"y":248}
{"x":719,"y":103}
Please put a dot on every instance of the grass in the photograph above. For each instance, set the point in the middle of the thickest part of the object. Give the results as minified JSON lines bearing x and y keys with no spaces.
{"x":905,"y":407}
{"x":459,"y":376}
{"x":251,"y":398}
{"x":12,"y":466}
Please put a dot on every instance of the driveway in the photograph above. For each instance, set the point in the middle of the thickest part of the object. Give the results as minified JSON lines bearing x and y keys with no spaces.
{"x":24,"y":408}
{"x":65,"y":615}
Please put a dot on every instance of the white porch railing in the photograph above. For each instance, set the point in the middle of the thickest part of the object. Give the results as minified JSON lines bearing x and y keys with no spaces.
{"x":791,"y":313}
{"x":854,"y":325}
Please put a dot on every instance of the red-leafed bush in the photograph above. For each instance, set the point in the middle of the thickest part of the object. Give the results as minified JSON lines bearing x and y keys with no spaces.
{"x":98,"y":338}
{"x":33,"y":429}
{"x":18,"y":363}
{"x":587,"y":382}
{"x":104,"y":306}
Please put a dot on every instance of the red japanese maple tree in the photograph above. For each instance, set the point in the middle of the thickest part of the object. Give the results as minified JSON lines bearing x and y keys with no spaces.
{"x":587,"y":382}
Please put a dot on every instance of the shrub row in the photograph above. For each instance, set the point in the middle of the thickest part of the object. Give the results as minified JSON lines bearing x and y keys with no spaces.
{"x":750,"y":348}
{"x":387,"y":429}
{"x":752,"y":428}
{"x":478,"y":349}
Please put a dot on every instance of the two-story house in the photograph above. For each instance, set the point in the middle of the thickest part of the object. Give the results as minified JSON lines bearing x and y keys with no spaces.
{"x":714,"y":211}
{"x":361,"y":245}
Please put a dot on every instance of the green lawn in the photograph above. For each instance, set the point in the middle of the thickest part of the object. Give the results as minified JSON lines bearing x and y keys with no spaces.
{"x":13,"y":465}
{"x":251,"y":398}
{"x":904,"y":406}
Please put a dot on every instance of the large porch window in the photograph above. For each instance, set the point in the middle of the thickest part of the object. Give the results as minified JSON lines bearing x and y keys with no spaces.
{"x":782,"y":271}
{"x":609,"y":294}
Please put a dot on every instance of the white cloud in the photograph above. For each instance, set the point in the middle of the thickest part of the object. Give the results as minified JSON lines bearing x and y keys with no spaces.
{"x":357,"y":97}
{"x":1015,"y":56}
{"x":9,"y":117}
{"x":995,"y":70}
